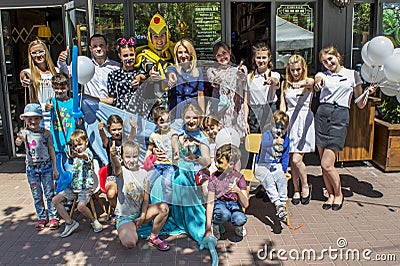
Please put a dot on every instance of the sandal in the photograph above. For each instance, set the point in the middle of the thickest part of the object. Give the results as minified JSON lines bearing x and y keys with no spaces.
{"x":54,"y":224}
{"x":162,"y":245}
{"x":40,"y":224}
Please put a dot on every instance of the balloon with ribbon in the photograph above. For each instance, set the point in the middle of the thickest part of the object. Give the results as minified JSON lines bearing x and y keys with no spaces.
{"x":392,"y":68}
{"x":372,"y":74}
{"x":379,"y":49}
{"x":390,"y":88}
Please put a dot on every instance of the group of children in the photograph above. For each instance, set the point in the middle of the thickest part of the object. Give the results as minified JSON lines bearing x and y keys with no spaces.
{"x":216,"y":168}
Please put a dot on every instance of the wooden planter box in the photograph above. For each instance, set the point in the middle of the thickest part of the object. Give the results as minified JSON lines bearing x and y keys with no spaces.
{"x":387,"y":146}
{"x":360,"y":133}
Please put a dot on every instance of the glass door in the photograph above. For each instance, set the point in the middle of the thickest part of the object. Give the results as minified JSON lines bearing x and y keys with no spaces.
{"x":76,"y":27}
{"x":7,"y":72}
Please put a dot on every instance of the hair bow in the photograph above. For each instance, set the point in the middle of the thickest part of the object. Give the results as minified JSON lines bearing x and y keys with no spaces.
{"x":130,"y":42}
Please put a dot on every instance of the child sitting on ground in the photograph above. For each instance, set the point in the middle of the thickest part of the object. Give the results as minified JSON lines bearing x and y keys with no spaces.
{"x":81,"y":185}
{"x":133,"y":208}
{"x":273,"y":162}
{"x":165,"y":139}
{"x":40,"y":164}
{"x":226,"y":193}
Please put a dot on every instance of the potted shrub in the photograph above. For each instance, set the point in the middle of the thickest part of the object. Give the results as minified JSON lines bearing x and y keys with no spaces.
{"x":387,"y":135}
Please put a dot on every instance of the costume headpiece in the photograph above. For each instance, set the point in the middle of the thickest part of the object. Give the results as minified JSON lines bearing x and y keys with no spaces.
{"x":158,"y":25}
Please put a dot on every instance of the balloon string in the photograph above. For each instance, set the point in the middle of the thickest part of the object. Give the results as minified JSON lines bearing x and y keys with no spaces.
{"x":363,"y":97}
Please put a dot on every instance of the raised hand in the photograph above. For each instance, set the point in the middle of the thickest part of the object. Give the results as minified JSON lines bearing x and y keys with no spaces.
{"x":132,"y":122}
{"x":233,"y":186}
{"x":154,"y":74}
{"x":113,"y":149}
{"x":62,"y":57}
{"x":49,"y":106}
{"x":172,"y":79}
{"x":25,"y":78}
{"x":101,"y":125}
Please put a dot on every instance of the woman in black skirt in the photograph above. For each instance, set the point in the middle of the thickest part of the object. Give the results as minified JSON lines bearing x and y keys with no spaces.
{"x":337,"y":86}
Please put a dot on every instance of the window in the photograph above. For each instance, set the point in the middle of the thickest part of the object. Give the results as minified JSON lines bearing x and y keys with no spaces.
{"x":109,"y":19}
{"x":391,"y":22}
{"x":295,"y":33}
{"x":198,"y":22}
{"x":363,"y":21}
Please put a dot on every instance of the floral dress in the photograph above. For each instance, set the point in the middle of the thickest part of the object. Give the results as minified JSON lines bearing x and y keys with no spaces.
{"x":231,"y":113}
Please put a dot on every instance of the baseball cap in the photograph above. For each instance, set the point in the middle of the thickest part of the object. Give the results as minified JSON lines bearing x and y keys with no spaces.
{"x":32,"y":109}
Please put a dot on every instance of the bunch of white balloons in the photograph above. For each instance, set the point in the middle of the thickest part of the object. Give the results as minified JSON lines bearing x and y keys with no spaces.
{"x":382,"y":65}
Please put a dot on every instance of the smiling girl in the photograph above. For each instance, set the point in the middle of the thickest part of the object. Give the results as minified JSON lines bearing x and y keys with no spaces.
{"x":185,"y":79}
{"x":260,"y":95}
{"x":296,"y":98}
{"x":38,"y":77}
{"x":123,"y":84}
{"x":337,"y":86}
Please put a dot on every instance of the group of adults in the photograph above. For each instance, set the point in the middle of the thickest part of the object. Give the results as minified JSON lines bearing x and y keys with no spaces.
{"x":230,"y":85}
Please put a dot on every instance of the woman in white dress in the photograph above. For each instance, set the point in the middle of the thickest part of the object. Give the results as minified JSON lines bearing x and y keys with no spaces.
{"x":296,"y":101}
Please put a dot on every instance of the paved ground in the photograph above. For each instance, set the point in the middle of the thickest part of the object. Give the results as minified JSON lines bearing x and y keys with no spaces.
{"x":369,"y":220}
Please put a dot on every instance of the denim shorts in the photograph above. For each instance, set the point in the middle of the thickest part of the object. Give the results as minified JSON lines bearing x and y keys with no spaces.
{"x":120,"y":220}
{"x":83,"y":196}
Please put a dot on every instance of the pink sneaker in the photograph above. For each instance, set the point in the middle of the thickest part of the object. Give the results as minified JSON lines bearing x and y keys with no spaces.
{"x":40,"y":224}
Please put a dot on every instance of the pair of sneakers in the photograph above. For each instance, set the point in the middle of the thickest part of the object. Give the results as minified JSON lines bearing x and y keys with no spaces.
{"x":219,"y":229}
{"x":70,"y":228}
{"x":281,"y":213}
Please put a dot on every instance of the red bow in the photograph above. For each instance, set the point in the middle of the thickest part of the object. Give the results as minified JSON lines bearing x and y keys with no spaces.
{"x":129,"y":42}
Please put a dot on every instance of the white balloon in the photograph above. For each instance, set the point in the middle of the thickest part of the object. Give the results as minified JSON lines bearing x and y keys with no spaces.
{"x":392,"y":68}
{"x":389,"y":91}
{"x":227,"y":136}
{"x":398,"y":97}
{"x":366,"y":73}
{"x":396,"y":51}
{"x":364,"y":54}
{"x":379,"y":49}
{"x":85,"y":69}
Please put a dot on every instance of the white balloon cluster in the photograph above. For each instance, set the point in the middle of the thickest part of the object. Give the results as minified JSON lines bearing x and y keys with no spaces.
{"x":382,"y":65}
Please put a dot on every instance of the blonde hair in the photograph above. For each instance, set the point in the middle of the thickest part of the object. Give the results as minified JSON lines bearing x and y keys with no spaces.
{"x":256,"y":48}
{"x":35,"y":71}
{"x":332,"y":50}
{"x":79,"y":134}
{"x":192,"y":107}
{"x":295,"y":59}
{"x":281,"y":117}
{"x":130,"y":144}
{"x":193,"y":57}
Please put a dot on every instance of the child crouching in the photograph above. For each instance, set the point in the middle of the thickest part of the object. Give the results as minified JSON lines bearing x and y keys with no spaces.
{"x":226,"y":193}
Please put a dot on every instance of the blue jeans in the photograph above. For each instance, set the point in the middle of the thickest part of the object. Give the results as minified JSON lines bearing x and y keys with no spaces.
{"x":225,"y":211}
{"x":166,"y":172}
{"x":40,"y":178}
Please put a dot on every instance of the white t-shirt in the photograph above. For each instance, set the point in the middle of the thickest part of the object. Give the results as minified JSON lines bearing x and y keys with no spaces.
{"x":338,"y":87}
{"x":260,"y":94}
{"x":97,"y":86}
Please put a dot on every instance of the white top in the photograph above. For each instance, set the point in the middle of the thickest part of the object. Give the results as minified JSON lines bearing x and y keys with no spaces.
{"x":338,"y":87}
{"x":259,"y":93}
{"x":97,"y":86}
{"x":131,"y":188}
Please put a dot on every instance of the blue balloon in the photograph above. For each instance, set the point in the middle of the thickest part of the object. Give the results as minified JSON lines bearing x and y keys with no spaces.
{"x":65,"y":178}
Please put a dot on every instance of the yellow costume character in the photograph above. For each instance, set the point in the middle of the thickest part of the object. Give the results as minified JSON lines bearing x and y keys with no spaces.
{"x":159,"y":50}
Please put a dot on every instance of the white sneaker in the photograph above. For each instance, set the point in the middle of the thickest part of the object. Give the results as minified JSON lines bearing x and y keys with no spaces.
{"x":96,"y":225}
{"x":240,"y":230}
{"x":69,"y":228}
{"x":215,"y":231}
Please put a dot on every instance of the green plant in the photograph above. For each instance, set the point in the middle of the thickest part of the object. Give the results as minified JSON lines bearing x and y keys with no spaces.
{"x":390,"y":110}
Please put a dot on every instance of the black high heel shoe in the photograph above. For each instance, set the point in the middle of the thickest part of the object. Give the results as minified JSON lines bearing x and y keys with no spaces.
{"x":336,"y":207}
{"x":326,"y":206}
{"x":307,"y":199}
